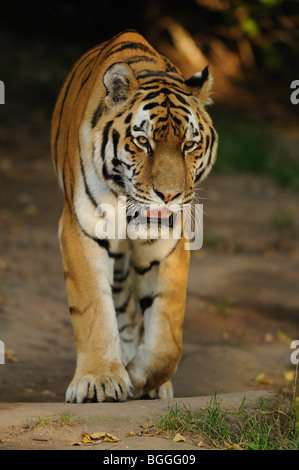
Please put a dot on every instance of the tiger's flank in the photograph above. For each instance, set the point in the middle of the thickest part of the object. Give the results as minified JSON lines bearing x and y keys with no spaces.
{"x":127,"y":124}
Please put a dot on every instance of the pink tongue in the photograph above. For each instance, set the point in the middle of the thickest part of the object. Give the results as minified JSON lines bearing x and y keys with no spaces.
{"x":161,"y":213}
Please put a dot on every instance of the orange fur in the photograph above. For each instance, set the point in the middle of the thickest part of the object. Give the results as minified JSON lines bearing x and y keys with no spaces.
{"x":119,"y":128}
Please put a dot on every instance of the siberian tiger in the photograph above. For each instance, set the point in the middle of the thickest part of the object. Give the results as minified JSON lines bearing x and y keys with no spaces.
{"x":128,"y":125}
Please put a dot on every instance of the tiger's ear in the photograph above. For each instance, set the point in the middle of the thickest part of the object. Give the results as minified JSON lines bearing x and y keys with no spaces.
{"x":200,"y":84}
{"x":119,"y":81}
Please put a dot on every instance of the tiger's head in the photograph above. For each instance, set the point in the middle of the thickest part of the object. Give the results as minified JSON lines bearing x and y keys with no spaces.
{"x":154,"y":141}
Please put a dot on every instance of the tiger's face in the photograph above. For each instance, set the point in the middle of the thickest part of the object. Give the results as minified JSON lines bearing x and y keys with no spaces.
{"x":157,"y":144}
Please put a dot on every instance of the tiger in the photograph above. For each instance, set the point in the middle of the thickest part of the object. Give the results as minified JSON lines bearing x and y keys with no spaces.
{"x":128,"y":126}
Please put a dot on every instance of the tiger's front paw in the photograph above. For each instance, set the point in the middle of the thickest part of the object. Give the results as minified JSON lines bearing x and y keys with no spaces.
{"x":101,"y":387}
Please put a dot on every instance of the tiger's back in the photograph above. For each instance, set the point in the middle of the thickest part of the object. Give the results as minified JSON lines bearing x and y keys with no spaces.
{"x":127,"y":124}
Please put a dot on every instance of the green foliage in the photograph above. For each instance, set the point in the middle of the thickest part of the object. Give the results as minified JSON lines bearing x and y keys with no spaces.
{"x":247,"y":146}
{"x":266,"y":428}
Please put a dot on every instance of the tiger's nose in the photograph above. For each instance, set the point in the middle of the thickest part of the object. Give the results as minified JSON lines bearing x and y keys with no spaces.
{"x":167,"y":196}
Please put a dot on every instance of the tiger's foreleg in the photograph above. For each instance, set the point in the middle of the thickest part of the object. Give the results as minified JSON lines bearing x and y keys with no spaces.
{"x":125,"y":307}
{"x":100,"y":374}
{"x":162,"y":293}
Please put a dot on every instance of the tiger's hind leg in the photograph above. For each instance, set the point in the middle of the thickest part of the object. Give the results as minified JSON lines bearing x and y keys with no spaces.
{"x":162,"y":285}
{"x":125,"y":307}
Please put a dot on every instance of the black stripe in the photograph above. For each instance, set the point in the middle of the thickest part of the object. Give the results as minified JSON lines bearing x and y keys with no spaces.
{"x":145,"y":73}
{"x":199,"y":175}
{"x":128,"y":118}
{"x":115,"y":140}
{"x":183,"y":108}
{"x":105,"y":171}
{"x":75,"y":310}
{"x":97,"y":114}
{"x":122,"y":277}
{"x":103,"y":243}
{"x":176,"y":120}
{"x":207,"y":143}
{"x":116,"y":290}
{"x":146,"y":302}
{"x":87,"y":190}
{"x":163,"y":119}
{"x":213,"y":137}
{"x":123,"y":307}
{"x":152,"y":105}
{"x":128,"y":132}
{"x":127,"y":148}
{"x":105,"y":138}
{"x":120,"y":47}
{"x":150,"y":87}
{"x":117,"y":179}
{"x":144,"y":270}
{"x":112,"y":40}
{"x":115,"y":255}
{"x":140,"y":58}
{"x":154,"y":94}
{"x":181,"y":99}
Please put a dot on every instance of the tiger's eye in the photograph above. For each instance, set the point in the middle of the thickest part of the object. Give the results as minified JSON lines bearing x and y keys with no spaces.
{"x":142,"y":140}
{"x":189,"y":144}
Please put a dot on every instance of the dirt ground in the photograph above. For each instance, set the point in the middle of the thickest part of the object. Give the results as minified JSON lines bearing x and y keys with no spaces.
{"x":134,"y":424}
{"x":242,"y":306}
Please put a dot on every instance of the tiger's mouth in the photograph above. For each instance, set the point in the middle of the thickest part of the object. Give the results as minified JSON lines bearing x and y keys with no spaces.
{"x":158,"y":215}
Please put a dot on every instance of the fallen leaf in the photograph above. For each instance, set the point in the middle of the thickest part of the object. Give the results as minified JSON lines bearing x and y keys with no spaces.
{"x":262,"y":379}
{"x":234,"y":447}
{"x":10,"y":355}
{"x":96,"y":436}
{"x":179,"y":438}
{"x":201,"y":444}
{"x":289,"y":375}
{"x":110,"y":438}
{"x":131,"y":433}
